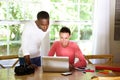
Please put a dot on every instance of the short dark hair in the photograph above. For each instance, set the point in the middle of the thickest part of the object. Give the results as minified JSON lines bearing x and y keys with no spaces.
{"x":42,"y":15}
{"x":65,"y":30}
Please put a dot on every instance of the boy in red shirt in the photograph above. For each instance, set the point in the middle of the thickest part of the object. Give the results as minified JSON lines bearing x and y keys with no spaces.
{"x":65,"y":47}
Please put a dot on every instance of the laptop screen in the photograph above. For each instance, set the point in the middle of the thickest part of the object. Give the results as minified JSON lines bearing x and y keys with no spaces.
{"x":55,"y":64}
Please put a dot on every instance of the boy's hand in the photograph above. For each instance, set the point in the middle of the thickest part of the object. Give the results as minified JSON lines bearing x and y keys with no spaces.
{"x":33,"y":66}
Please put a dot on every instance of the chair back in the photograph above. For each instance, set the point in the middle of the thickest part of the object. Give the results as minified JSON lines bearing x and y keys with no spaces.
{"x":107,"y":57}
{"x":7,"y":57}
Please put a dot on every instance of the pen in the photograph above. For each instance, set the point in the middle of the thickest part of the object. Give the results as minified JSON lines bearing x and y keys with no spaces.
{"x":89,"y":70}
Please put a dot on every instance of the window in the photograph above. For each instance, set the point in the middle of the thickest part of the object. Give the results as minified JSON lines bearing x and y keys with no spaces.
{"x":75,"y":14}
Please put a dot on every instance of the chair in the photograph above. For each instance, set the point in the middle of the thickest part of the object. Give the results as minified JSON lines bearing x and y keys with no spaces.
{"x":9,"y":57}
{"x":108,"y":57}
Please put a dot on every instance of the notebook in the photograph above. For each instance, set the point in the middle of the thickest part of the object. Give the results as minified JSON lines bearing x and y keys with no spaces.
{"x":55,"y":64}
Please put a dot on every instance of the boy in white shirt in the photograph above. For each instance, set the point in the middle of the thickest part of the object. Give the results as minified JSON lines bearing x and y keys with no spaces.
{"x":34,"y":35}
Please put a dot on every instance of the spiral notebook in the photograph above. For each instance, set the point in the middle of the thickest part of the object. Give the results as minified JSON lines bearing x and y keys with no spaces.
{"x":55,"y":64}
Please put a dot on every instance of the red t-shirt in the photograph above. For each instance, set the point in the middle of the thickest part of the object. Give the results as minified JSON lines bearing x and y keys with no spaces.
{"x":72,"y":51}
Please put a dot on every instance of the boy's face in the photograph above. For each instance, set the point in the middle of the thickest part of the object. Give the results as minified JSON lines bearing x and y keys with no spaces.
{"x":64,"y":39}
{"x":44,"y":24}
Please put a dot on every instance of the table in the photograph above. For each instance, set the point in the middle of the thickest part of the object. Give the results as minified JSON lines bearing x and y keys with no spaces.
{"x":8,"y":74}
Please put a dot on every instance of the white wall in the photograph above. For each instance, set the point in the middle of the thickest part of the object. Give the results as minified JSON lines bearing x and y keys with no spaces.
{"x":114,"y":45}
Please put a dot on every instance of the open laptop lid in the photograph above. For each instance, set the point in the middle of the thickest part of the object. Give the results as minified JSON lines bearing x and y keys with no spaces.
{"x":55,"y":64}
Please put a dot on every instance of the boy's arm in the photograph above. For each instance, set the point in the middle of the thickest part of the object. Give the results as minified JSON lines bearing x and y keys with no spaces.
{"x":82,"y":61}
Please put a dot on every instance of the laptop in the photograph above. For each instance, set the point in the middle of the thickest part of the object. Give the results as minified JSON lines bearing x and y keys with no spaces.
{"x":55,"y":64}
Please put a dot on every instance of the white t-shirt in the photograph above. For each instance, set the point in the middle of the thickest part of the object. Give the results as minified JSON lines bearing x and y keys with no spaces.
{"x":33,"y":39}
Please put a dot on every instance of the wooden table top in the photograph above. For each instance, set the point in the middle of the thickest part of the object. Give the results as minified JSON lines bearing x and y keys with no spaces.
{"x":8,"y":74}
